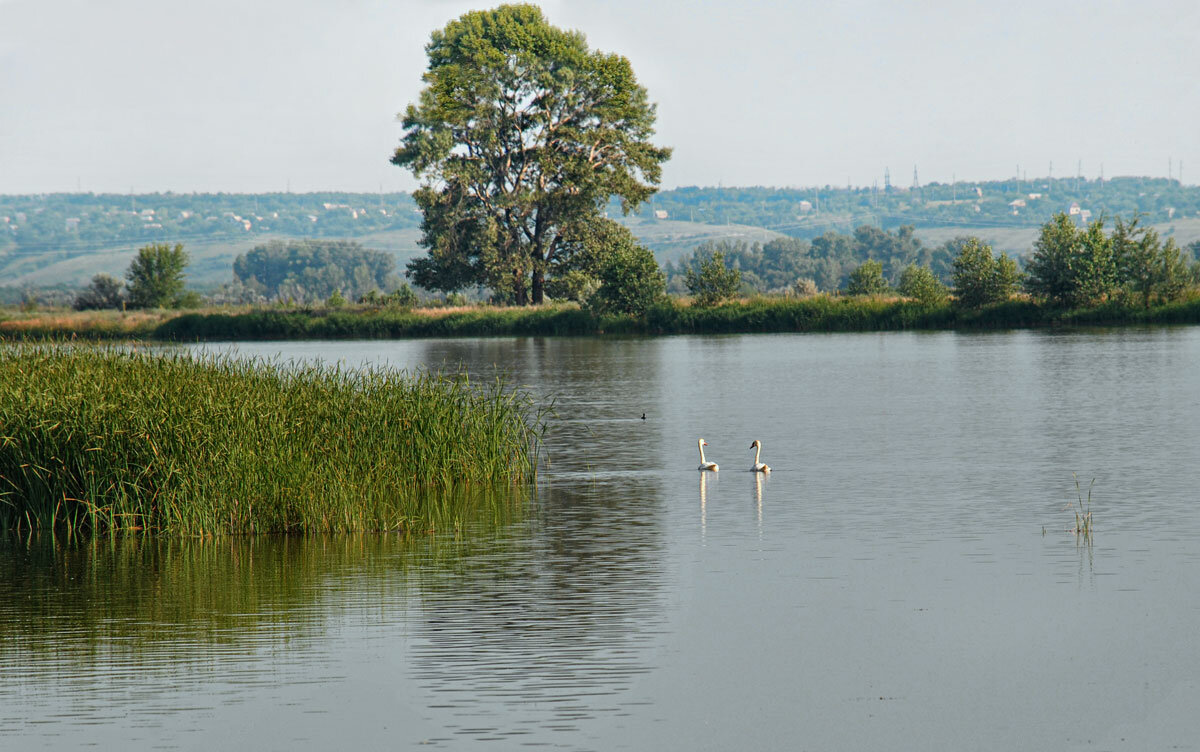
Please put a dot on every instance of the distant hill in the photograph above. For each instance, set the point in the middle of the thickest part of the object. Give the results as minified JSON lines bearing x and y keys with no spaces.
{"x":64,"y":239}
{"x":1011,"y":204}
{"x":1019,"y":240}
{"x":33,"y":258}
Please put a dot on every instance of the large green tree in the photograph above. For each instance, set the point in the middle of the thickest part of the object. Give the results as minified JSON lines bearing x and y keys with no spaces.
{"x":156,"y":276}
{"x":520,"y":133}
{"x":1145,"y":266}
{"x":981,"y":277}
{"x":1072,"y":266}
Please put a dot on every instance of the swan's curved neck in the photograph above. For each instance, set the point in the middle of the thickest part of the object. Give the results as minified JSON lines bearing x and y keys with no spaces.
{"x":757,"y":451}
{"x":701,"y":445}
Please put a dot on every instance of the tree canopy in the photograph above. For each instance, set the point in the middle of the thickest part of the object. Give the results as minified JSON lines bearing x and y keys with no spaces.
{"x":981,"y":277}
{"x":156,"y":276}
{"x":867,"y":279}
{"x":309,"y":270}
{"x":713,"y":282}
{"x":828,"y":260}
{"x":521,"y":133}
{"x":1072,"y":266}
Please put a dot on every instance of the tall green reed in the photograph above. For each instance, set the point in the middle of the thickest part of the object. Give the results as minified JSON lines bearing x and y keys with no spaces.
{"x":112,"y":439}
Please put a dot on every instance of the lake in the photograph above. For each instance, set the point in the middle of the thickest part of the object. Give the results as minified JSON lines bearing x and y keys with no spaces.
{"x":905,"y":578}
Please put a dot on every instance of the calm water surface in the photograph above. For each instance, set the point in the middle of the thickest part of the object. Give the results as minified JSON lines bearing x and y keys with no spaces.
{"x":904,"y":579}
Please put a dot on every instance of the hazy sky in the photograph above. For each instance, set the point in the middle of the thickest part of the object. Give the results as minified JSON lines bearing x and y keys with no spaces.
{"x":260,"y":95}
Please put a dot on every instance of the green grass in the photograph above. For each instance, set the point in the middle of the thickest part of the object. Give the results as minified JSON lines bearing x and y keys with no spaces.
{"x":106,"y":439}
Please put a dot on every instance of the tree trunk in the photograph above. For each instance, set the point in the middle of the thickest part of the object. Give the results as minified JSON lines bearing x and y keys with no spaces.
{"x":519,"y":296}
{"x":539,"y":285}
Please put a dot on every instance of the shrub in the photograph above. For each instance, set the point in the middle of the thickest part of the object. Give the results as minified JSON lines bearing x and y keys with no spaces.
{"x":714,"y":282}
{"x":981,"y":277}
{"x":103,"y":292}
{"x":805,"y":287}
{"x":867,"y":279}
{"x":919,"y":283}
{"x":402,"y":297}
{"x":630,"y":282}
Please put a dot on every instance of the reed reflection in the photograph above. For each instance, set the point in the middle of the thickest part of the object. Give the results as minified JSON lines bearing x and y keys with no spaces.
{"x":542,"y":632}
{"x":599,"y":388}
{"x":118,"y":626}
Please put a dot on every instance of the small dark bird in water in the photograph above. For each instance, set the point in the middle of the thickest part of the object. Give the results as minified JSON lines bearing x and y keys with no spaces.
{"x":643,"y":416}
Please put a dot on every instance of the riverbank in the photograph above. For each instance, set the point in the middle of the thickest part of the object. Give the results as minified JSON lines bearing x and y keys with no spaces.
{"x":814,"y":314}
{"x":99,"y":439}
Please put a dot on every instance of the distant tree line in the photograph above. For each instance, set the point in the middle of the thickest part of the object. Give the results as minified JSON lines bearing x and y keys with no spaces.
{"x":1071,"y":266}
{"x":827,"y":260}
{"x":307,"y":271}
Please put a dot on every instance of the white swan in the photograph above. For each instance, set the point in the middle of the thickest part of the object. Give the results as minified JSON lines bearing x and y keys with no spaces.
{"x":706,"y":465}
{"x":759,"y":467}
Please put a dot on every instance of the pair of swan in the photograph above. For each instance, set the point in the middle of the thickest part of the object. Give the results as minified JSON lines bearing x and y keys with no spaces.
{"x":758,"y":467}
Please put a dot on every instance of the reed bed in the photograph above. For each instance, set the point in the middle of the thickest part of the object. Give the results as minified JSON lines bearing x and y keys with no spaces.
{"x":820,"y":313}
{"x":93,"y":325}
{"x":102,"y":439}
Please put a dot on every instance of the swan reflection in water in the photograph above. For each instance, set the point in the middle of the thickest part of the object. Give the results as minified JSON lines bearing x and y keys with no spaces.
{"x":758,"y":502}
{"x":758,"y":484}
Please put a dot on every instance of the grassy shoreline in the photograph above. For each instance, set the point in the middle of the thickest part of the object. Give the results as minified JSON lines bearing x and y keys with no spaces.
{"x":107,"y":439}
{"x":815,"y":314}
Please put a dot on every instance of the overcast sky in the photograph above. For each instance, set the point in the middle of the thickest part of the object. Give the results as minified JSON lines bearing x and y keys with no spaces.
{"x":263,"y":95}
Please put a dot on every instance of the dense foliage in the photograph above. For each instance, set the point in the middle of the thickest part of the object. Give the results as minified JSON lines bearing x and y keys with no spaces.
{"x":521,"y":134}
{"x":1147,"y":267}
{"x":981,"y":277}
{"x":104,"y":291}
{"x":155,"y":276}
{"x":590,"y":245}
{"x":155,"y":279}
{"x":1076,"y":266}
{"x":311,"y":270}
{"x":919,"y":283}
{"x":712,"y":282}
{"x":630,"y":282}
{"x":867,"y":279}
{"x":828,"y":260}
